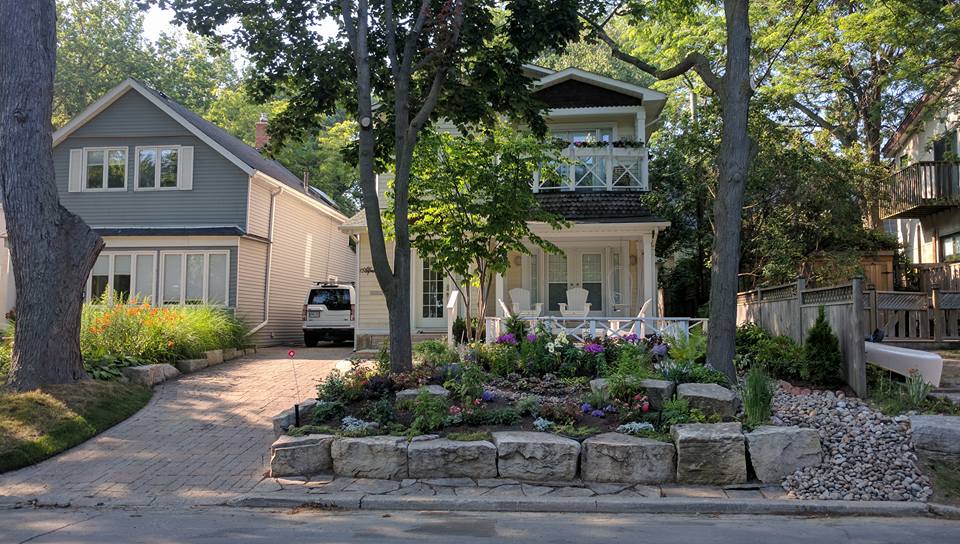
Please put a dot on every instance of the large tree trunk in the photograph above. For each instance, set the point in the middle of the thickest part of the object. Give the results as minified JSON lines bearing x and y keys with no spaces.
{"x":734,"y":162}
{"x":51,"y":250}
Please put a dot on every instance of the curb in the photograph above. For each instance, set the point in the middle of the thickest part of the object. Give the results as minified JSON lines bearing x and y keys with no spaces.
{"x":945,"y":511}
{"x":668,"y":505}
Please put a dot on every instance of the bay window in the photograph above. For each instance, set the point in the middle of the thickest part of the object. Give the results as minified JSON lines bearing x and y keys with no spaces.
{"x":194,"y":278}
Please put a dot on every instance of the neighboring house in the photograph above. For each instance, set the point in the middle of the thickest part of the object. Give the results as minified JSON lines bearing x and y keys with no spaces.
{"x":191,"y":214}
{"x":924,"y":206}
{"x":609,"y":250}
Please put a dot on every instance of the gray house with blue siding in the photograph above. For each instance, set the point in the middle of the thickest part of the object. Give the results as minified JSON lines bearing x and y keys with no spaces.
{"x":191,"y":214}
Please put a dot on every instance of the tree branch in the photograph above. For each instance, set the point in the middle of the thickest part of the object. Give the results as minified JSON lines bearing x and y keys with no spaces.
{"x":837,"y":131}
{"x":694,"y":61}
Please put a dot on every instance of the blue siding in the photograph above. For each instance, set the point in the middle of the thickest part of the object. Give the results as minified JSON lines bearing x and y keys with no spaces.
{"x":219,"y":194}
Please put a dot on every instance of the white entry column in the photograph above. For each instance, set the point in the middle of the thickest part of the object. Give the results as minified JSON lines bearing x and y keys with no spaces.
{"x":649,"y":274}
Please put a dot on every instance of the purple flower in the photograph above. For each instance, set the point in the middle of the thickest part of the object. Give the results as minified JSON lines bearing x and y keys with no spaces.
{"x":507,"y":338}
{"x":488,"y":396}
{"x":586,"y":408}
{"x":593,"y":348}
{"x":598,"y":413}
{"x":531,"y":337}
{"x":632,"y":338}
{"x":660,"y":350}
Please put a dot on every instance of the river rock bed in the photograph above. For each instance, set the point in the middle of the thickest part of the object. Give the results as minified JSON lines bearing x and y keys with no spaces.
{"x":867,"y":456}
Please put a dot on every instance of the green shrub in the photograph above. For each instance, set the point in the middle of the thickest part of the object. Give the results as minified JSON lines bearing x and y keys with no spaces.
{"x":705,"y":374}
{"x":749,"y":337}
{"x":529,"y":405}
{"x":781,"y":356}
{"x":311,"y":429}
{"x":821,"y":351}
{"x":327,"y":410}
{"x":429,"y":412}
{"x":688,"y":348}
{"x":156,"y":335}
{"x":576,"y":431}
{"x":383,"y":359}
{"x":559,"y":412}
{"x":500,"y":416}
{"x":516,"y":326}
{"x":333,"y":388}
{"x":109,"y":367}
{"x":435,"y":353}
{"x":381,"y":411}
{"x":501,"y":359}
{"x":916,"y":388}
{"x":6,"y":352}
{"x":757,"y":396}
{"x":469,"y":385}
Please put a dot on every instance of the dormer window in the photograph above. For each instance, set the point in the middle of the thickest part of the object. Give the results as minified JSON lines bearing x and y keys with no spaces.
{"x":105,"y":169}
{"x":158,"y":167}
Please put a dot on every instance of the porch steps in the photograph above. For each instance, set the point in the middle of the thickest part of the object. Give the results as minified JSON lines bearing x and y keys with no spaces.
{"x":949,"y":381}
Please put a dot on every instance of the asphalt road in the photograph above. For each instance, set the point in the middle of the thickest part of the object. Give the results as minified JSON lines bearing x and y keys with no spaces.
{"x":222,"y":525}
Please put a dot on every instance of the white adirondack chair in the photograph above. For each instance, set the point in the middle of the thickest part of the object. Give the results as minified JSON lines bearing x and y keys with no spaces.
{"x":640,"y":327}
{"x":576,"y":305}
{"x":521,"y":304}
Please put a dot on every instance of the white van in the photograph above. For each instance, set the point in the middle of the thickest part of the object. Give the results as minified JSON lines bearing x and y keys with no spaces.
{"x":329,"y":313}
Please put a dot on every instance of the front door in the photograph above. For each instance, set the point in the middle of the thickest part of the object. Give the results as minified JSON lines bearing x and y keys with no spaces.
{"x":431,"y":302}
{"x":575,"y":268}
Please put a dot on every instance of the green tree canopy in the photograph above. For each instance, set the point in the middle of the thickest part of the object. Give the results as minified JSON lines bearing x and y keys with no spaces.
{"x":101,"y":43}
{"x":471,"y":204}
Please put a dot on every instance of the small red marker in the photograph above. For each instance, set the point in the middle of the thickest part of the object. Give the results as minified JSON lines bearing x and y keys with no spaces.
{"x":291,"y":354}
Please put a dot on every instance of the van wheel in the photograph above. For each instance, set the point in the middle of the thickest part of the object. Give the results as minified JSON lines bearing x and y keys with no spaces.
{"x":310,"y":340}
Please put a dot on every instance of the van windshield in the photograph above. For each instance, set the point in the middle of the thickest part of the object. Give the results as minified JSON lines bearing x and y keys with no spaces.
{"x":333,"y":299}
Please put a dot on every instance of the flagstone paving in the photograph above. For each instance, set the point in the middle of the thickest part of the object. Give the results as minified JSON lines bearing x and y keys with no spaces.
{"x":202,"y":439}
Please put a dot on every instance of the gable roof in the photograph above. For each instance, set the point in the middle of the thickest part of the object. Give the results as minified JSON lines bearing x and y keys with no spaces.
{"x":232,"y":148}
{"x":908,"y":124}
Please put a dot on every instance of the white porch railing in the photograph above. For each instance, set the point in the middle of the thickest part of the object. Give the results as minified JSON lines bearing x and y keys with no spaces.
{"x":581,"y":328}
{"x":608,"y":168}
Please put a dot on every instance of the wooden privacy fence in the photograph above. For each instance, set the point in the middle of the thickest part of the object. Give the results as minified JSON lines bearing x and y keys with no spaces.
{"x":913,"y":317}
{"x":790,"y":310}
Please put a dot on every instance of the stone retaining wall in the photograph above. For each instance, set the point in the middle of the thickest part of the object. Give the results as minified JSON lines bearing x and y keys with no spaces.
{"x":702,"y":453}
{"x":150,"y":375}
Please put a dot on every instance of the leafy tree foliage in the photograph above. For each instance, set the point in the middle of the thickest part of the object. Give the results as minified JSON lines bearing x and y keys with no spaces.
{"x":423,"y":60}
{"x":471,"y":204}
{"x":322,"y":155}
{"x":101,"y":43}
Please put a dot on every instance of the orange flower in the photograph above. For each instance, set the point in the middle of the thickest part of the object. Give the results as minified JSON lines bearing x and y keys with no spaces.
{"x":170,"y":344}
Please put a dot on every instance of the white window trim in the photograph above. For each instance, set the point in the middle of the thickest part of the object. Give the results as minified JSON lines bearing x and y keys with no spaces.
{"x":576,"y":127}
{"x":156,"y":173}
{"x":88,"y":293}
{"x":183,"y":276}
{"x":106,"y":170}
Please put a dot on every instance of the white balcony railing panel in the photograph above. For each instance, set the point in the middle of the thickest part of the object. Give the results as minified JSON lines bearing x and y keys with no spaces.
{"x":606,"y":168}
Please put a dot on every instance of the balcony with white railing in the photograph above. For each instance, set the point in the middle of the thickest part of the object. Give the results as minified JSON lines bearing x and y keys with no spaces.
{"x":598,"y":167}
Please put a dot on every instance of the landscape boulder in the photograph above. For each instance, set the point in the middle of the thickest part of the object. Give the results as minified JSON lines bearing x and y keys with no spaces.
{"x":713,"y":454}
{"x":383,"y":457}
{"x":301,"y":455}
{"x":709,"y":398}
{"x":658,"y":392}
{"x":411,"y":394}
{"x":776,"y":452}
{"x":442,"y":458}
{"x":936,"y":438}
{"x":617,"y":457}
{"x":150,"y":375}
{"x":536,"y":456}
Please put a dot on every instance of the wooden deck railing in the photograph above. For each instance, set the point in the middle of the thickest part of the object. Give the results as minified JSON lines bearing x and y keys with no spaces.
{"x":920,"y":184}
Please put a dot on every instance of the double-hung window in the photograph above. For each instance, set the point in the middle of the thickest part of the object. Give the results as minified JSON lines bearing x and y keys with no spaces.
{"x":194,"y":277}
{"x":121,"y":277}
{"x":105,"y":169}
{"x":158,"y":167}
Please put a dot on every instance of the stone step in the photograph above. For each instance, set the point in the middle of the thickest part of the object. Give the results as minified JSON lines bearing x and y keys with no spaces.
{"x":952,"y":397}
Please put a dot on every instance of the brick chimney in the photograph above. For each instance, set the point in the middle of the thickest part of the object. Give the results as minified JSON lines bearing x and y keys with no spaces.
{"x":261,"y":138}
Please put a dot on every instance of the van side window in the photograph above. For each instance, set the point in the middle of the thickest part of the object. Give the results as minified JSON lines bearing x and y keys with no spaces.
{"x":333,"y":299}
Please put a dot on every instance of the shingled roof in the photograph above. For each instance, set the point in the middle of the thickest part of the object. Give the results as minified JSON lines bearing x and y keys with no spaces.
{"x":598,"y":206}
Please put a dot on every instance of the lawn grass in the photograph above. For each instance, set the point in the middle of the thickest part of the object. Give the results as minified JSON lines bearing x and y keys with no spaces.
{"x":38,"y":424}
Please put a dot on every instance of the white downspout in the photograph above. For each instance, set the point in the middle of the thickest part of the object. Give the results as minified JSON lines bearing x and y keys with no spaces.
{"x":266,"y":282}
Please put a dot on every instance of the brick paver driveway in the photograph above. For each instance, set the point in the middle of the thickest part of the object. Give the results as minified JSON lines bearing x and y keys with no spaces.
{"x":202,"y":438}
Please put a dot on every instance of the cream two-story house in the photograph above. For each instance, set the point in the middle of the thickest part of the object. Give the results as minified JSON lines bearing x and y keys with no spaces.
{"x":923,"y":209}
{"x":608,"y":265}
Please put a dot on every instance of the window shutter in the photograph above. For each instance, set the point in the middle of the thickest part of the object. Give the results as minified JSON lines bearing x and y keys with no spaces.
{"x":185,"y":164}
{"x":75,"y":172}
